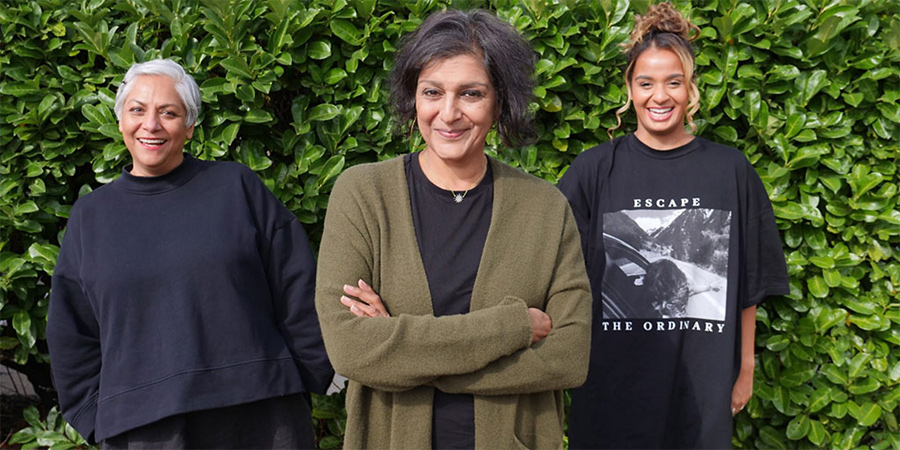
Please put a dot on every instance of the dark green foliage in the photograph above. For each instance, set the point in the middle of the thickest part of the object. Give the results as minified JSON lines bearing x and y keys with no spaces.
{"x":808,"y":89}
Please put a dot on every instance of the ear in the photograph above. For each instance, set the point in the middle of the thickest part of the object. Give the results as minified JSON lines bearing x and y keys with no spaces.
{"x":190,"y":131}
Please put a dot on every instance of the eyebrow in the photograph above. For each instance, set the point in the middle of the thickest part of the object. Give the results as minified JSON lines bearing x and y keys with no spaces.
{"x":647,"y":77}
{"x":165,"y":105}
{"x":462,"y":86}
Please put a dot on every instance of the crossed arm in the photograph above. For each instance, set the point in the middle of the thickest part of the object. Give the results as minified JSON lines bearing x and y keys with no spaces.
{"x":508,"y":348}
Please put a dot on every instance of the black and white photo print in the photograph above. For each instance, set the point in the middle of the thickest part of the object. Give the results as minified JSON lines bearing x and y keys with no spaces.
{"x":670,"y":263}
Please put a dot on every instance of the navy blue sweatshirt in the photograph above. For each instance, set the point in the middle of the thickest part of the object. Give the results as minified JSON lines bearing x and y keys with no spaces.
{"x":188,"y":291}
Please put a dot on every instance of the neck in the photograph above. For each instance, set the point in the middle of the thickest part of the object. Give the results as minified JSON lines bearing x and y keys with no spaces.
{"x":663,"y":143}
{"x":453,"y":175}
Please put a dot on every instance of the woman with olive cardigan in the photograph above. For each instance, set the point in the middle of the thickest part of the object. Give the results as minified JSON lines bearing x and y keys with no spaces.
{"x":532,"y":258}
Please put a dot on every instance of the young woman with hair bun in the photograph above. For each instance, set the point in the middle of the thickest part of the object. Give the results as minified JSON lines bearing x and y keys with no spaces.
{"x":681,"y":244}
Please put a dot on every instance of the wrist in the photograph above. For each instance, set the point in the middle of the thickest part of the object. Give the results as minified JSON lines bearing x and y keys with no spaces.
{"x":747,"y":367}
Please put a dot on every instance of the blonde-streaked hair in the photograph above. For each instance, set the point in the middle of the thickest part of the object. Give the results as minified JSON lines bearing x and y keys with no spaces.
{"x":665,"y":28}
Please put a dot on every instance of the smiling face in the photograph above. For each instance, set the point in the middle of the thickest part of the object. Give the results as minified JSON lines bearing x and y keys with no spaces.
{"x":455,"y":108}
{"x":659,"y":92}
{"x":153,"y":127}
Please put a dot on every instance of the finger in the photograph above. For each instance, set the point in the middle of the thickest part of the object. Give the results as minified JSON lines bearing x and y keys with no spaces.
{"x":358,"y":308}
{"x":351,"y":290}
{"x":364,"y":294}
{"x":368,"y":295}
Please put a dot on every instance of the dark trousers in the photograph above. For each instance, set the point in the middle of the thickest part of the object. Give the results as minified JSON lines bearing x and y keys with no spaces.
{"x":280,"y":422}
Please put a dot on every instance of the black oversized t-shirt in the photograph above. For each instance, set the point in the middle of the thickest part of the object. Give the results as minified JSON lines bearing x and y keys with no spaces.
{"x":677,"y":243}
{"x":451,"y":237}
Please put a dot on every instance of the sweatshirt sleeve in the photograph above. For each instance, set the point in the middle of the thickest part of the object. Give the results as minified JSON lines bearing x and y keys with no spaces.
{"x":406,"y":350}
{"x":73,"y":337}
{"x":560,"y":360}
{"x":291,"y":274}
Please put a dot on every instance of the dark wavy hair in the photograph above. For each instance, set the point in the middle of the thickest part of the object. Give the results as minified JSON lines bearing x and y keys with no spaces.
{"x":506,"y":56}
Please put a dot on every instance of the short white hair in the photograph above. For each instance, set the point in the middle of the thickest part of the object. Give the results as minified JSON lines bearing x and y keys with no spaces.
{"x":184,"y":84}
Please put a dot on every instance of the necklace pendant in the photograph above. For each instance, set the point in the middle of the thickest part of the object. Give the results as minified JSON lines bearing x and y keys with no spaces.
{"x":458,"y":198}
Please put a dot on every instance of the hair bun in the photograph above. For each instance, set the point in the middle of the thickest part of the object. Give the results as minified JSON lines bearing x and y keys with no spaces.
{"x":661,"y":18}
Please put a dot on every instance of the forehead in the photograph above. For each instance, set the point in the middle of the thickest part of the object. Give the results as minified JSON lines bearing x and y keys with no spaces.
{"x":659,"y":62}
{"x":461,"y":69}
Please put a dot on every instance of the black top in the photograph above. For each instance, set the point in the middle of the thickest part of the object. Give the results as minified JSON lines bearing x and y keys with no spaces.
{"x":451,"y":238}
{"x":189,"y":291}
{"x":677,"y":243}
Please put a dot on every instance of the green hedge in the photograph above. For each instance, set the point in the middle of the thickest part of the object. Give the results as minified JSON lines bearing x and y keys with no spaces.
{"x":295,"y":89}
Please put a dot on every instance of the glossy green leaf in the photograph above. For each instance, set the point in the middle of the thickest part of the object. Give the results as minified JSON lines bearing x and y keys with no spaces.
{"x":345,"y":30}
{"x":869,"y":413}
{"x":319,"y":50}
{"x":818,"y":287}
{"x":817,"y":434}
{"x":798,"y":427}
{"x":323,"y":112}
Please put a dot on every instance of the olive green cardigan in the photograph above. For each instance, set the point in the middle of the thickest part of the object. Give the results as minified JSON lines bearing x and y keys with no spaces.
{"x":532,"y":258}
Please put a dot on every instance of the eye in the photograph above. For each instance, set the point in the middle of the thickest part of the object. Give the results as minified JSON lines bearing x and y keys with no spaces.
{"x":431,"y":92}
{"x":136,"y":109}
{"x":675,"y":83}
{"x":170,"y":114}
{"x":644,"y":84}
{"x":472,"y":94}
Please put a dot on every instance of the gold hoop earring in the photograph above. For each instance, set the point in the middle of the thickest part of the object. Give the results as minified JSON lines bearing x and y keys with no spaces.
{"x":411,"y":140}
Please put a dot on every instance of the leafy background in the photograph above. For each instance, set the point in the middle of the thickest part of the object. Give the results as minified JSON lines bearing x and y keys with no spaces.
{"x":809,"y":90}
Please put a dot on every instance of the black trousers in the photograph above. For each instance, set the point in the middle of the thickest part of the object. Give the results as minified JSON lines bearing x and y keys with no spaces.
{"x":275,"y":423}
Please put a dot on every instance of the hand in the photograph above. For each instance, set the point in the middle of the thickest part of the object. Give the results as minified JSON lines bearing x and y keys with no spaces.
{"x":366,"y":303}
{"x":541,"y":324}
{"x":743,"y":390}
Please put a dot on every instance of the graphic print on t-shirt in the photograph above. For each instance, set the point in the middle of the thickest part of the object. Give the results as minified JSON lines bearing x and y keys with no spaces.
{"x":670,"y":263}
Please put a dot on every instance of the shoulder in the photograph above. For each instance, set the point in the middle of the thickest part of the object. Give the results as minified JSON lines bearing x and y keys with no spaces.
{"x":729,"y":160}
{"x":374,"y":170}
{"x":527,"y":188}
{"x":101,"y":197}
{"x":234,"y":177}
{"x":597,"y":155}
{"x":370,"y":176}
{"x":226,"y":171}
{"x":722,"y":154}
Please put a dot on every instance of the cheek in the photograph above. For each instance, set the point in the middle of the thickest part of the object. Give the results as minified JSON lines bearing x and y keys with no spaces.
{"x":481,"y":114}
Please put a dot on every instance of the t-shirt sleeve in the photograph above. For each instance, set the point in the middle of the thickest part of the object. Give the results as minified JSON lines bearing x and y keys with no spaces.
{"x":579,"y":188}
{"x":765,"y":272}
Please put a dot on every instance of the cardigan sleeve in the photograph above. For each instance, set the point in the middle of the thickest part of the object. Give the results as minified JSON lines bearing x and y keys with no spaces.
{"x":73,"y":337}
{"x":406,"y":350}
{"x":560,"y":360}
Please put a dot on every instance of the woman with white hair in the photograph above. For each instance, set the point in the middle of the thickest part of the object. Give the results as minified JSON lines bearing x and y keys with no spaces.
{"x":182,"y":312}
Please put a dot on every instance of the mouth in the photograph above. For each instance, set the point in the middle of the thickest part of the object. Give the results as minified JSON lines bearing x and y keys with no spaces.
{"x":151,"y":142}
{"x":451,"y":134}
{"x":661,"y":114}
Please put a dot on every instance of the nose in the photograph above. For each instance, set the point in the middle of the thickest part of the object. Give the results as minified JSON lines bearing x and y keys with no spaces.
{"x":659,"y":94}
{"x":450,"y":109}
{"x":151,"y":122}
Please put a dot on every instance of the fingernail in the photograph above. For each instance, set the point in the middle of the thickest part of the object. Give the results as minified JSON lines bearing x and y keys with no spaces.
{"x":362,"y":282}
